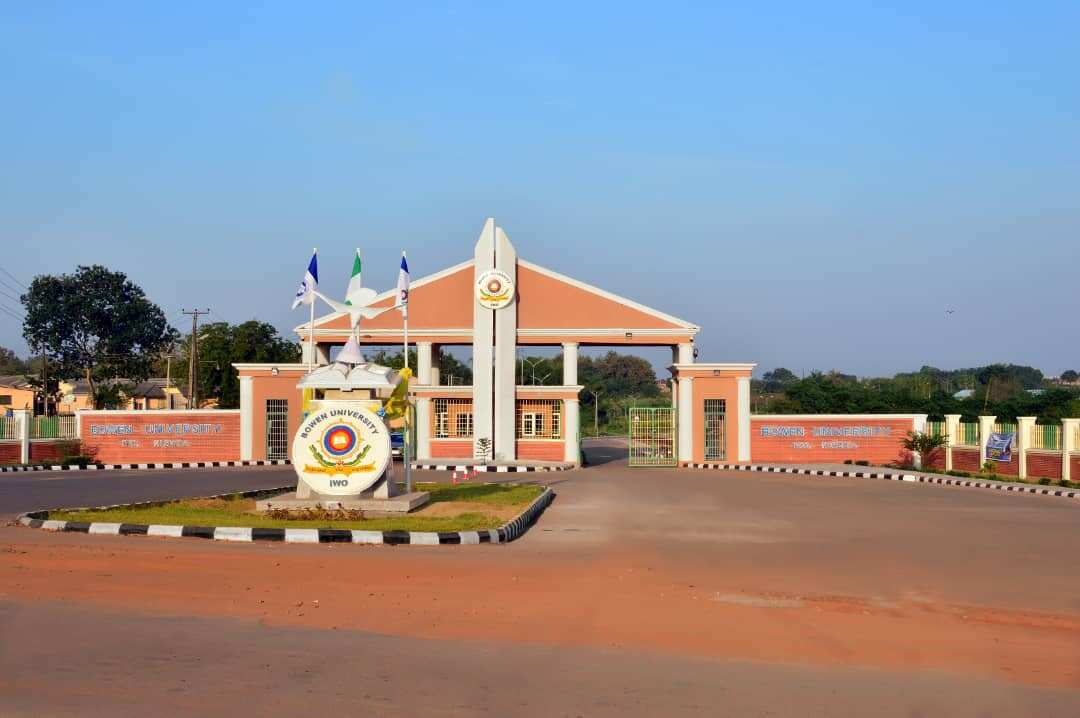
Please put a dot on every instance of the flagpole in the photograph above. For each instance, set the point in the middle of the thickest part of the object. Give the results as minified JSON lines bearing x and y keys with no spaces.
{"x":408,"y":413}
{"x":311,"y":327}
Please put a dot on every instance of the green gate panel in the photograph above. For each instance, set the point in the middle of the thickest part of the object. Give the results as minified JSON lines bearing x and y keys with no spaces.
{"x":652,"y":436}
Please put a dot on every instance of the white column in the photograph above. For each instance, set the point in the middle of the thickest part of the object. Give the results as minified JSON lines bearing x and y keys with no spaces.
{"x":1069,"y":428}
{"x":571,"y":419}
{"x":1024,"y":426}
{"x":322,"y":353}
{"x":423,"y":363}
{"x":483,"y":332}
{"x":952,"y":430}
{"x":686,"y":419}
{"x":423,"y":428}
{"x":247,"y":418}
{"x":919,"y":427}
{"x":986,"y":427}
{"x":744,"y":419}
{"x":684,"y":354}
{"x":78,"y":423}
{"x":22,"y":432}
{"x":569,"y":363}
{"x":505,"y":356}
{"x":435,"y":352}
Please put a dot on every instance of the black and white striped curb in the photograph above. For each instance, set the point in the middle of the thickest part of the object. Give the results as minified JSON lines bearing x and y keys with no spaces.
{"x":166,"y":465}
{"x":491,"y":468}
{"x":504,"y":534}
{"x":890,"y":476}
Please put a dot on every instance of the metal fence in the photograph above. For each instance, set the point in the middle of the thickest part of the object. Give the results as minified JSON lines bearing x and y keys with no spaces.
{"x":652,"y":436}
{"x":53,"y":427}
{"x":1004,"y":427}
{"x":935,"y":428}
{"x":968,"y":434}
{"x":8,"y":430}
{"x":1046,"y":436}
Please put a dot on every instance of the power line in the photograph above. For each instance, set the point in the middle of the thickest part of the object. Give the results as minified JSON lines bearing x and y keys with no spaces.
{"x":8,"y":311}
{"x":9,"y":296}
{"x":13,"y":278}
{"x":7,"y":285}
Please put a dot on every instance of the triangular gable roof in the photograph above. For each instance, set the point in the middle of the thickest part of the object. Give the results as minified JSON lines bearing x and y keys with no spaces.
{"x":547,"y":300}
{"x":573,"y":304}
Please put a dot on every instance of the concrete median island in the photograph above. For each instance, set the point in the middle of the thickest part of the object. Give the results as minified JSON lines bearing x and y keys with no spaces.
{"x":474,"y":513}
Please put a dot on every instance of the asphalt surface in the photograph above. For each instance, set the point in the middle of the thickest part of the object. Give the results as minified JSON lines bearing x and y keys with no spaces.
{"x":640,"y":592}
{"x":32,"y":490}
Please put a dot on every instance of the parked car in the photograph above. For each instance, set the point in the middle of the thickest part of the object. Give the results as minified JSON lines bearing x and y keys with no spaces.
{"x":397,"y":444}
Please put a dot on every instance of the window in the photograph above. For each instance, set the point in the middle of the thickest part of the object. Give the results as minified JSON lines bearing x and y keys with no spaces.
{"x":5,"y":400}
{"x":453,"y":419}
{"x":539,"y":418}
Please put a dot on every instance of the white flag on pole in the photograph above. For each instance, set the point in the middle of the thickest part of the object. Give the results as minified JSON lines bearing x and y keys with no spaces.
{"x":402,"y":301}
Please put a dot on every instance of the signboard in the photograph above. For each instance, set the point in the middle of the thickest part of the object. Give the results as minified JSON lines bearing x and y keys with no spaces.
{"x":999,"y":447}
{"x":494,"y":289}
{"x":803,"y":438}
{"x":341,"y":450}
{"x":161,"y":436}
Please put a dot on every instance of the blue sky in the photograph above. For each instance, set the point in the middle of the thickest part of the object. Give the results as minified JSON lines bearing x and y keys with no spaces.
{"x":812,"y":184}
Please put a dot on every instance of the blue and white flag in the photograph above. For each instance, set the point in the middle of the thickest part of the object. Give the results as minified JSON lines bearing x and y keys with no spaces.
{"x":305,"y":293}
{"x":402,"y":301}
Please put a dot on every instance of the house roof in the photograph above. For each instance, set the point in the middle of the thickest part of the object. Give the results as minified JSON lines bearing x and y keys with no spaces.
{"x":15,"y":381}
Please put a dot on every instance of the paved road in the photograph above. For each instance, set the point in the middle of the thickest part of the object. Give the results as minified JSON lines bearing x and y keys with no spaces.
{"x":639,"y":592}
{"x":28,"y":491}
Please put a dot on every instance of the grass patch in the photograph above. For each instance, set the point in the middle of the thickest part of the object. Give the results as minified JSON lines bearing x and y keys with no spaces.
{"x":235,"y":511}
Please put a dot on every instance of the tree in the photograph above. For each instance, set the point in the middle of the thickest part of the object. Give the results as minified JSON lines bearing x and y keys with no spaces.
{"x":924,"y":444}
{"x":11,"y":364}
{"x":95,"y":323}
{"x":775,"y":380}
{"x":221,"y":345}
{"x":1070,"y":376}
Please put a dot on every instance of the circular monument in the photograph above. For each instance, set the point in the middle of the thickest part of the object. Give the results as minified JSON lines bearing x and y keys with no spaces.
{"x":341,"y":450}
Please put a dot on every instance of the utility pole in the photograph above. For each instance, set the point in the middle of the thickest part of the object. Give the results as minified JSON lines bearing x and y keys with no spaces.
{"x":596,"y":412}
{"x":193,"y":357}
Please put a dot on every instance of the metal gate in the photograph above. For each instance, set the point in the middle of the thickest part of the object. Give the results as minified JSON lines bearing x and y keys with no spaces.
{"x":652,"y":436}
{"x":277,"y":428}
{"x":715,"y":425}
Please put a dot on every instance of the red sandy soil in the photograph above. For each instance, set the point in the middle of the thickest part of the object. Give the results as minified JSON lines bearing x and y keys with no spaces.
{"x":613,"y":599}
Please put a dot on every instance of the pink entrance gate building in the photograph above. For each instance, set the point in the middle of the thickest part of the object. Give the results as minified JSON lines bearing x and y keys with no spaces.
{"x":496,"y":417}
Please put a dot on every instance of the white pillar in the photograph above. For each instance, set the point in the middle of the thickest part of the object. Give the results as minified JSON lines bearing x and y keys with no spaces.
{"x":684,"y":354}
{"x":686,"y":419}
{"x":483,"y":349}
{"x":571,"y":419}
{"x":423,"y":363}
{"x":22,"y":432}
{"x":247,"y":418}
{"x":744,"y":420}
{"x":1069,"y":429}
{"x":505,"y":372}
{"x":919,"y":427}
{"x":423,"y":428}
{"x":1024,"y":426}
{"x":952,"y":430}
{"x":569,"y":363}
{"x":322,"y":352}
{"x":986,"y":427}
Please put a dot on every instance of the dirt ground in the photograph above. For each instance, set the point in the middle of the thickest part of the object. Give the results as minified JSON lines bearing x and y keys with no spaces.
{"x":675,"y":591}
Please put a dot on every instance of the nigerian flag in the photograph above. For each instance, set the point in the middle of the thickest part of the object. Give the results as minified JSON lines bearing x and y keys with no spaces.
{"x":354,"y":280}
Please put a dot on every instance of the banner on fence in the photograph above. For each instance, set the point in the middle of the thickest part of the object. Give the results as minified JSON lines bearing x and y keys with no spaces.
{"x":999,"y":447}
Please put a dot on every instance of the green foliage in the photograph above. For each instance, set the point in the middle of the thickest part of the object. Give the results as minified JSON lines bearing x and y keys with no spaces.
{"x":924,"y":443}
{"x":1000,"y":390}
{"x":11,"y":364}
{"x":1070,"y":376}
{"x":449,"y":365}
{"x":96,"y":324}
{"x":220,"y":346}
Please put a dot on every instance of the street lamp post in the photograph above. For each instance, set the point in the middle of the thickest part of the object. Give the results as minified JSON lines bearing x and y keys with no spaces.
{"x":596,"y":411}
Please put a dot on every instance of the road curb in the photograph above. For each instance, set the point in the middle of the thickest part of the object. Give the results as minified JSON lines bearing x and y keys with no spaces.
{"x":139,"y":467}
{"x":506,"y":533}
{"x":490,"y":468}
{"x":893,"y":476}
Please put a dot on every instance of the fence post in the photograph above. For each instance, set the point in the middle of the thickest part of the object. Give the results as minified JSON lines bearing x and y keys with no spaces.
{"x":1024,"y":426}
{"x":919,"y":427}
{"x":22,"y":432}
{"x":1069,"y":429}
{"x":986,"y":427}
{"x":952,"y":430}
